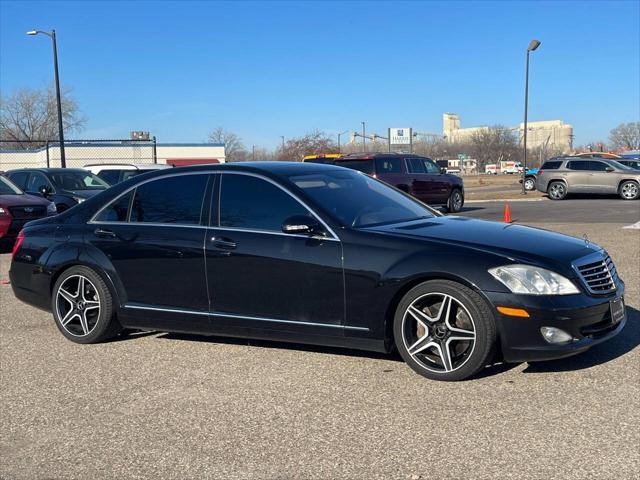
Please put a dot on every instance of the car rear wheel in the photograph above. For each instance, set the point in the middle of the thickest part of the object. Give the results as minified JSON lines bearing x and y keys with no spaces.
{"x":557,"y":190}
{"x":82,"y":306}
{"x":444,"y":330}
{"x":455,"y":202}
{"x":529,"y":184}
{"x":629,"y":190}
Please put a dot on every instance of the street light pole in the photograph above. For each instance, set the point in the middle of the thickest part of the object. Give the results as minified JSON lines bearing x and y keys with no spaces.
{"x":339,"y":135}
{"x":282,"y":137}
{"x":364,"y":138}
{"x":532,"y":46}
{"x":52,"y":36}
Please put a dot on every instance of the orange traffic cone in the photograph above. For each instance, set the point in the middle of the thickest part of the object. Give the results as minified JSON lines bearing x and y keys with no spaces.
{"x":506,"y":216}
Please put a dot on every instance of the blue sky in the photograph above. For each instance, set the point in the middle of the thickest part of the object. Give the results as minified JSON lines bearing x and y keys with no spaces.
{"x":265,"y":69}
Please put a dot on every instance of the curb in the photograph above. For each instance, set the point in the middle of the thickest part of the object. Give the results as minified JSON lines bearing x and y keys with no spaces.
{"x":506,"y":200}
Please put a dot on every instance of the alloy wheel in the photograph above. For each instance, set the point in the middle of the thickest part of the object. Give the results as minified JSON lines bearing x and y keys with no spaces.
{"x":556,"y":191}
{"x":456,"y":201}
{"x":78,"y":305}
{"x":529,"y":184}
{"x":629,"y":190}
{"x":438,"y":332}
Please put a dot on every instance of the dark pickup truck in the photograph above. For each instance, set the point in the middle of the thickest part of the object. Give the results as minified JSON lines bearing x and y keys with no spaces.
{"x":418,"y":176}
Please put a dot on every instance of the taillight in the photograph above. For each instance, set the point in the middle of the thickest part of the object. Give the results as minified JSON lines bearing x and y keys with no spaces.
{"x":16,"y":245}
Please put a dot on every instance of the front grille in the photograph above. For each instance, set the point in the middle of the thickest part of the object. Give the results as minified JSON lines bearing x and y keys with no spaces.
{"x":599,"y":275}
{"x":29,"y":213}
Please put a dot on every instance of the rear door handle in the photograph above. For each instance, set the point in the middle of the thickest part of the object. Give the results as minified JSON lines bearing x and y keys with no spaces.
{"x":101,"y":232}
{"x":223,"y":242}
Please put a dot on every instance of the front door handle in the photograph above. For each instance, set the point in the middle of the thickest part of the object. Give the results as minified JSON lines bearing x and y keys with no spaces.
{"x":101,"y":232}
{"x":223,"y":242}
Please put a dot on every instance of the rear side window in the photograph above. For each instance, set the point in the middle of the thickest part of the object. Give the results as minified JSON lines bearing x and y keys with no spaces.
{"x":255,"y":204}
{"x":174,"y":200}
{"x":550,"y":165}
{"x":388,"y":165}
{"x":19,"y":178}
{"x":578,"y":165}
{"x":116,"y":211}
{"x":364,"y":166}
{"x":110,"y":176}
{"x":415,"y":165}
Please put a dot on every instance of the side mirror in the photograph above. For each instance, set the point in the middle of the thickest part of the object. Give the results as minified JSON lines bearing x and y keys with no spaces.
{"x":301,"y":225}
{"x":44,"y":190}
{"x":609,"y":169}
{"x":443,"y":170}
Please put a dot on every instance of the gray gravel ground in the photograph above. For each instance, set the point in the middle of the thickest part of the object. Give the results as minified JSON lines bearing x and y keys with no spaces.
{"x":176,"y":406}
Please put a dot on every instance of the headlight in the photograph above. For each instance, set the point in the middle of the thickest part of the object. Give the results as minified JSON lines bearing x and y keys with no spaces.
{"x":530,"y":280}
{"x":79,"y":199}
{"x":51,"y":208}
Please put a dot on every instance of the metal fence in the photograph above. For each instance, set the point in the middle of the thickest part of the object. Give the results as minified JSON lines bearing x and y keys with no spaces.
{"x":78,"y":153}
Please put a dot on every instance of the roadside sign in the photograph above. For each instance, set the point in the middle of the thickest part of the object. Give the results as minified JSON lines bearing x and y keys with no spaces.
{"x":461,"y":156}
{"x":400,"y":136}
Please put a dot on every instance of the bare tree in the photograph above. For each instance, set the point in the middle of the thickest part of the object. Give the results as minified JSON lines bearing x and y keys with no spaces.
{"x":493,"y":145}
{"x":626,"y":136}
{"x":28,"y":115}
{"x":312,"y":143}
{"x":233,"y":146}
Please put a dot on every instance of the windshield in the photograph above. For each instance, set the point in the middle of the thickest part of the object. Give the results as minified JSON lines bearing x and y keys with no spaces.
{"x":619,"y":165}
{"x":7,"y":187}
{"x":72,"y":180}
{"x":359,"y":201}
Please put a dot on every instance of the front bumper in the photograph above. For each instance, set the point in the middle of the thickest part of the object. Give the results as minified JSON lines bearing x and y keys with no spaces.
{"x":587,"y":319}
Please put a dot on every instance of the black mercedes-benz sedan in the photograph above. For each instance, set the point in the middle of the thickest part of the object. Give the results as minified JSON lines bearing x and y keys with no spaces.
{"x":315,"y":254}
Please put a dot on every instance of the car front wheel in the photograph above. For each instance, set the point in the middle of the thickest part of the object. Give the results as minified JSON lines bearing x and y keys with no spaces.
{"x":557,"y":190}
{"x":455,"y":202}
{"x":629,"y":190}
{"x":444,"y":330}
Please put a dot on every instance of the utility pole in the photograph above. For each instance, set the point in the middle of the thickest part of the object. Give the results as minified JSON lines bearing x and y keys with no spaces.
{"x":364,"y":138}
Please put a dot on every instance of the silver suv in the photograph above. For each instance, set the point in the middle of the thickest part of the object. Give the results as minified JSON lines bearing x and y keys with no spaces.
{"x":561,"y":176}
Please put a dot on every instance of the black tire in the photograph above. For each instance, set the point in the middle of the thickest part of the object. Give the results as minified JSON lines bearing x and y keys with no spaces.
{"x":474,"y":358}
{"x":104,"y":324}
{"x":557,"y":190}
{"x":455,"y":201}
{"x":629,"y":190}
{"x":529,"y":184}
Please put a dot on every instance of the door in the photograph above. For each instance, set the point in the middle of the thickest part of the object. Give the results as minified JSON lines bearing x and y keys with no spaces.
{"x":260,"y":277}
{"x":420,"y":186}
{"x":600,"y":180}
{"x":578,"y":176}
{"x":153,"y":236}
{"x":439,"y":183}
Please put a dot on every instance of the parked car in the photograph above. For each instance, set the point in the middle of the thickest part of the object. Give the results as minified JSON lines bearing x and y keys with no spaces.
{"x":321,"y":158}
{"x":418,"y":176}
{"x":114,"y":173}
{"x":65,"y":187}
{"x":16,"y":209}
{"x":560,"y":177}
{"x":316,"y":254}
{"x":529,"y":179}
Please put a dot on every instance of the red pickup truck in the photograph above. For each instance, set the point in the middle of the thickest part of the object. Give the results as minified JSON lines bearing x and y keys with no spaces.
{"x":416,"y":175}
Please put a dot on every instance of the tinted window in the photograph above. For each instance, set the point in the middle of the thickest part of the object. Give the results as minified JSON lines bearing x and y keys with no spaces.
{"x":110,"y":176}
{"x":37,"y":180}
{"x":598,"y":166}
{"x":430,"y":166}
{"x":77,"y":180}
{"x":255,"y":204}
{"x":7,"y":187}
{"x":365,"y":166}
{"x":388,"y":165}
{"x":578,"y":165}
{"x":176,"y":199}
{"x":19,"y":178}
{"x":357,"y":200}
{"x":117,"y":211}
{"x":550,"y":166}
{"x":415,"y":165}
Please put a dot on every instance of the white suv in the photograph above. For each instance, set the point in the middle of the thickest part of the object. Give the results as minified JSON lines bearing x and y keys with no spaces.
{"x":113,"y":173}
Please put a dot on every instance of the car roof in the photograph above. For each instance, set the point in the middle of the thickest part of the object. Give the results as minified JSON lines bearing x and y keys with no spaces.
{"x":130,"y":166}
{"x":369,"y":156}
{"x":48,"y":170}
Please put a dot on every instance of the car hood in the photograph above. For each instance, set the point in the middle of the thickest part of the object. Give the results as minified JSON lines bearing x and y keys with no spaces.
{"x":517,"y":242}
{"x":22,"y":201}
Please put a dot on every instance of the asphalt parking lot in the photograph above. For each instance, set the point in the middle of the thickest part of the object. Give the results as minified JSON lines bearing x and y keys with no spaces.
{"x":179,"y":406}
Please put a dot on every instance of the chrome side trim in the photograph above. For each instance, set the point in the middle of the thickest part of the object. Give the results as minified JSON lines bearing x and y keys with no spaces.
{"x":271,"y":232}
{"x":245,"y":317}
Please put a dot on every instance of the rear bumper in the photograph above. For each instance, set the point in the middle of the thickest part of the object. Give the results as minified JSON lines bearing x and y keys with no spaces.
{"x":587,"y":319}
{"x":30,"y":284}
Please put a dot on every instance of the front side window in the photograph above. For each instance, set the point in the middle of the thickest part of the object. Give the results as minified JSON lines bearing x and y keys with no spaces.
{"x":430,"y":166}
{"x":171,"y":200}
{"x":359,"y":201}
{"x":388,"y":165}
{"x":415,"y":165}
{"x":252,"y":203}
{"x":596,"y":166}
{"x":578,"y":165}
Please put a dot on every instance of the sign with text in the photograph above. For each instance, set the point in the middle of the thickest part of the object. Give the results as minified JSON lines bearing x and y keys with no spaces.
{"x":400,"y":136}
